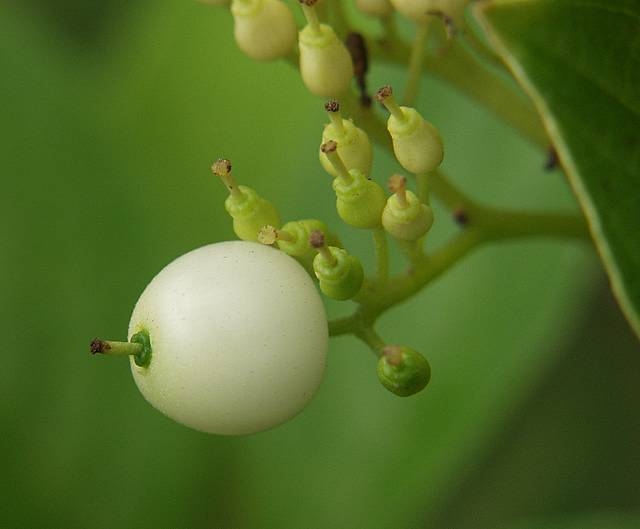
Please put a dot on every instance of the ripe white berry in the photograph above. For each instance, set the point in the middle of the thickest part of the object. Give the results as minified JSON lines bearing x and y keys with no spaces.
{"x":238,"y":335}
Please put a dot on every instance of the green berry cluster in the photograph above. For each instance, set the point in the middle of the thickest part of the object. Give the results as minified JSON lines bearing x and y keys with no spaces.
{"x":266,"y":30}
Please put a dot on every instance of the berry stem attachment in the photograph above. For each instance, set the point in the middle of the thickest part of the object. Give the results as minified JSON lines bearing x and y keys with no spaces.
{"x":109,"y":347}
{"x":369,"y":336}
{"x":308,"y":8}
{"x":139,"y":347}
{"x":330,"y":150}
{"x":222,"y":169}
{"x":384,"y":95}
{"x":382,"y":254}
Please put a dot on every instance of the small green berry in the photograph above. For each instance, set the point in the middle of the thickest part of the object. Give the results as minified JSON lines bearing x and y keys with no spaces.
{"x":359,"y":201}
{"x":403,"y":370}
{"x":325,"y":63}
{"x":264,"y":29}
{"x":416,"y":143}
{"x":404,"y":216}
{"x":339,"y":273}
{"x":354,"y":146}
{"x":249,"y":211}
{"x":293,"y":239}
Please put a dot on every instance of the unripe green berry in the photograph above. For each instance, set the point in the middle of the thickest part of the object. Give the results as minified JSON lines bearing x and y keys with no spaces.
{"x":354,"y":146}
{"x":293,"y":239}
{"x":325,"y":64}
{"x":375,"y":8}
{"x":403,"y":370}
{"x":404,"y":216}
{"x":339,"y":273}
{"x":417,"y":144}
{"x":264,"y":29}
{"x":248,"y":210}
{"x":359,"y":201}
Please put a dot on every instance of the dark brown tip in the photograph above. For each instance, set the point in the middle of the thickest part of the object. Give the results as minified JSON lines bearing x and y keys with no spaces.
{"x":316,"y":239}
{"x":328,"y":147}
{"x":307,"y":2}
{"x":332,"y":106}
{"x":461,"y":217}
{"x":98,"y":346}
{"x":221,"y":167}
{"x":552,"y":161}
{"x":383,"y":93}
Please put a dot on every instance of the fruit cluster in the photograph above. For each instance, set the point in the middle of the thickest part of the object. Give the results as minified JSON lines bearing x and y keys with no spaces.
{"x":231,"y":338}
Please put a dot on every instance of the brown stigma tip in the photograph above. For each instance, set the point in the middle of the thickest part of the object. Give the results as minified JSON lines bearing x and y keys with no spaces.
{"x":393,"y":354}
{"x":332,"y":106}
{"x":221,"y":167}
{"x":383,"y":93}
{"x":330,"y":146}
{"x":98,"y":346}
{"x":316,"y":239}
{"x":396,"y":183}
{"x":307,"y":2}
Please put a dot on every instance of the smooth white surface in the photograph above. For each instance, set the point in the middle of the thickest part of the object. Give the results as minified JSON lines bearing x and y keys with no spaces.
{"x":239,"y":338}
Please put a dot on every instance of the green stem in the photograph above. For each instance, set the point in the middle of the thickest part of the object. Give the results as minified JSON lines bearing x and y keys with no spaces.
{"x":464,"y":71}
{"x":413,"y":251}
{"x":368,"y":120}
{"x":482,"y":50}
{"x":113,"y":348}
{"x":382,"y":254}
{"x":369,"y":336}
{"x":422,"y":185}
{"x":402,"y":287}
{"x":414,"y":70}
{"x":502,"y":225}
{"x":499,"y":224}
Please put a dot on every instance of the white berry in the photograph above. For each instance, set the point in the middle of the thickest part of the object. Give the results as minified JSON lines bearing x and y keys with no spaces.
{"x":239,"y":338}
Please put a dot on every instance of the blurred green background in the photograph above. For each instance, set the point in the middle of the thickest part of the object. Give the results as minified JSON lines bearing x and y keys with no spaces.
{"x":111,"y":114}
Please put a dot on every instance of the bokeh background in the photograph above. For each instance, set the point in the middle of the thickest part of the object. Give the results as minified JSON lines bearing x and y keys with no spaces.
{"x":111,"y":113}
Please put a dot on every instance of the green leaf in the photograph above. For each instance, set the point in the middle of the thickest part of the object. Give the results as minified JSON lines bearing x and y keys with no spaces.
{"x":579,"y":60}
{"x":585,"y":521}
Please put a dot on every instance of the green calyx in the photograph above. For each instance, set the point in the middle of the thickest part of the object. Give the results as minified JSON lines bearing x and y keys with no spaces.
{"x":408,"y":220}
{"x":142,"y":358}
{"x":403,"y":370}
{"x":297,"y":244}
{"x":299,"y":231}
{"x":340,"y":279}
{"x":359,"y":201}
{"x":321,"y":36}
{"x":250,"y":212}
{"x":410,"y":122}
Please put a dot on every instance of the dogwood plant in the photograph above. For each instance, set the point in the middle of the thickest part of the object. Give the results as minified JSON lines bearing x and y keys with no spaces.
{"x":231,"y":338}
